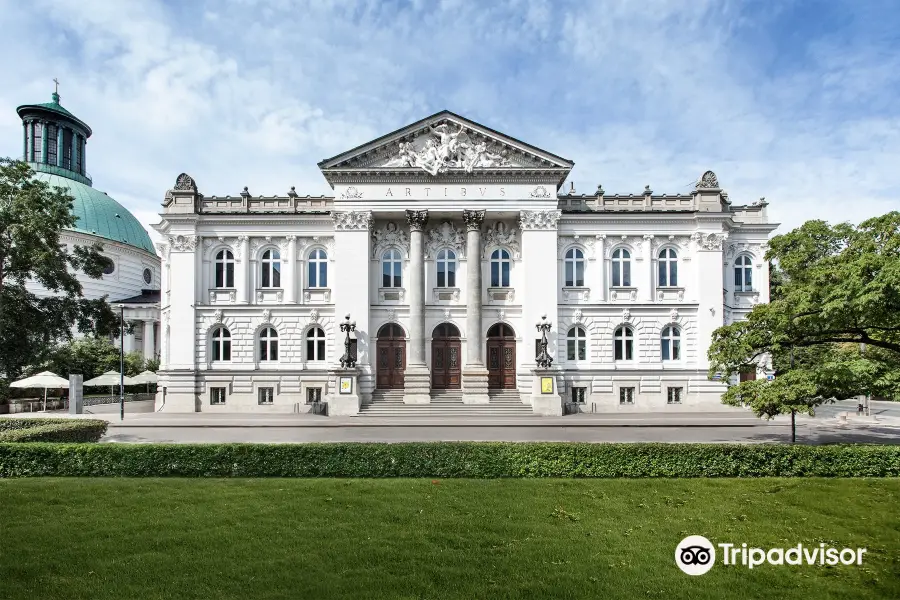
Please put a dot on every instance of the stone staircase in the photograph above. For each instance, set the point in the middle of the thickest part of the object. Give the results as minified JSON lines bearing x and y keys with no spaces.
{"x":445,"y":403}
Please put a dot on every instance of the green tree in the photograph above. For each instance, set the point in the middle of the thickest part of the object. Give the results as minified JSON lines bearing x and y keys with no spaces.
{"x":32,"y":215}
{"x":832,"y":327}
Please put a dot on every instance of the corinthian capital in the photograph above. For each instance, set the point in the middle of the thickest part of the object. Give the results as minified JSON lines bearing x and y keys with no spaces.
{"x":539,"y":219}
{"x":473,"y":219}
{"x":417,"y":219}
{"x":357,"y":220}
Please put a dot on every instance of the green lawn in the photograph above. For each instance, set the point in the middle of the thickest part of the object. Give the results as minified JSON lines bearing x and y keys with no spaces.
{"x":324,"y":538}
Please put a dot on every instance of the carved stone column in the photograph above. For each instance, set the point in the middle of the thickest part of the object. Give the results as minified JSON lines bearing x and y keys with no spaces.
{"x":149,"y":349}
{"x":474,"y":373}
{"x":417,"y":378}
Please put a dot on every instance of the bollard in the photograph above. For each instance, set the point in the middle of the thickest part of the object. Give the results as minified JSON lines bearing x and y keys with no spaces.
{"x":76,"y":394}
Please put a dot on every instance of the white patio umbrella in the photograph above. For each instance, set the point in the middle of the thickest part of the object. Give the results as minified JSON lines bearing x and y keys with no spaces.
{"x":46,"y":380}
{"x":147,"y":377}
{"x":110,"y":378}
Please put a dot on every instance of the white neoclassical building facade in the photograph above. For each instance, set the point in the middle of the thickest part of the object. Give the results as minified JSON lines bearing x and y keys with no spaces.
{"x":447,"y":242}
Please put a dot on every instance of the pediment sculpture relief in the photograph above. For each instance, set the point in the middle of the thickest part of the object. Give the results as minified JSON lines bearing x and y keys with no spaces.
{"x":443,"y":148}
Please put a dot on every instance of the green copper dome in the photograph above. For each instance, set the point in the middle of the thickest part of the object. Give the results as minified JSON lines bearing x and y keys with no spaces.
{"x":54,"y":145}
{"x":100,"y":215}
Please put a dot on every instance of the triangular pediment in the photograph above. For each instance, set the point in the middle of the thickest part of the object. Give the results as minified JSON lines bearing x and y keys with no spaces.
{"x":445,"y":143}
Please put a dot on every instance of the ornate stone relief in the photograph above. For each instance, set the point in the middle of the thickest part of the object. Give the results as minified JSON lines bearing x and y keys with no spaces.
{"x":578,"y":317}
{"x":163,"y":250}
{"x":473,"y":219}
{"x":217,"y":316}
{"x":539,"y":219}
{"x":447,"y":314}
{"x":356,"y":220}
{"x":673,"y":315}
{"x":709,"y":241}
{"x":502,"y":314}
{"x":445,"y":235}
{"x":239,"y":250}
{"x":314,"y":315}
{"x":185,"y":183}
{"x":540,"y":192}
{"x":392,"y":315}
{"x":708,"y":181}
{"x":735,"y":249}
{"x":448,"y":146}
{"x":266,"y":316}
{"x":304,"y":243}
{"x":351,"y":194}
{"x":183,"y":243}
{"x":626,"y":315}
{"x":589,"y":242}
{"x":417,"y":219}
{"x":499,"y":234}
{"x":389,"y":235}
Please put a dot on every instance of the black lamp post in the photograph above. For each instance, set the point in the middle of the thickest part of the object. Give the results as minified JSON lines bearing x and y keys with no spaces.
{"x":122,"y":363}
{"x":544,"y":360}
{"x":348,"y":360}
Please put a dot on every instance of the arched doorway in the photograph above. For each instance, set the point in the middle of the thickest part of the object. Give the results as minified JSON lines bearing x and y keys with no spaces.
{"x":391,"y":350}
{"x":501,"y":357}
{"x":445,"y":357}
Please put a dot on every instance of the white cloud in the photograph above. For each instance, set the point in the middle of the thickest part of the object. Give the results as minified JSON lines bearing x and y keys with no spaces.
{"x":256,"y":93}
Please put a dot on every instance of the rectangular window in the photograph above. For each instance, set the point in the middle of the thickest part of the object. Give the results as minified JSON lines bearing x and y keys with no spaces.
{"x":673,"y":273}
{"x":451,"y":274}
{"x":748,"y":375}
{"x":276,"y":274}
{"x":67,"y":149}
{"x":626,"y":273}
{"x":578,"y":394}
{"x":495,"y":274}
{"x":504,"y":282}
{"x":266,"y":395}
{"x":52,"y":133}
{"x":579,"y":273}
{"x":313,"y":394}
{"x":441,"y":277}
{"x":315,"y":349}
{"x":626,"y":395}
{"x":673,"y":395}
{"x":37,"y":144}
{"x":570,"y":275}
{"x":217,"y":395}
{"x":570,"y":349}
{"x":616,"y":274}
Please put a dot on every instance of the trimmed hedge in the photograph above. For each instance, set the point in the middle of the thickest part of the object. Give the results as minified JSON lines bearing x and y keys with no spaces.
{"x":478,"y":460}
{"x":52,"y":430}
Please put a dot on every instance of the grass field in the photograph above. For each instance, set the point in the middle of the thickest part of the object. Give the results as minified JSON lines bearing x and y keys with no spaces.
{"x":325,"y":538}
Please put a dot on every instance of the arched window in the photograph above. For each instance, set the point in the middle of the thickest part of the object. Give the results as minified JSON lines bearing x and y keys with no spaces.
{"x":221,"y":344}
{"x":224,"y":269}
{"x":500,"y":268}
{"x":446,"y":268}
{"x":574,"y":263}
{"x":623,"y":343}
{"x":621,"y":268}
{"x":318,"y":269}
{"x":391,"y":266}
{"x":271,"y":269}
{"x":576,"y":344}
{"x":315,"y":344}
{"x":743,"y":274}
{"x":671,"y":343}
{"x":668,"y":267}
{"x":268,"y":344}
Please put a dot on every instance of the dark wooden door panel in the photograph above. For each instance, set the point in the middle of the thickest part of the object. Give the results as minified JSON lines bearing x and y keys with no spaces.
{"x":501,"y":364}
{"x":445,"y":364}
{"x":391,"y":364}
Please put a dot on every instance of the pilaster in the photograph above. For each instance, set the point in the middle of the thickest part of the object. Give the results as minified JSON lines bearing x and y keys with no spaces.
{"x":242,"y":277}
{"x":539,"y":242}
{"x":709,"y":280}
{"x":352,"y":230}
{"x":290,"y":270}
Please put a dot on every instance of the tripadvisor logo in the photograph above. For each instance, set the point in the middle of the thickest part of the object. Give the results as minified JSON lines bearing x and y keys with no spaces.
{"x":696,"y":555}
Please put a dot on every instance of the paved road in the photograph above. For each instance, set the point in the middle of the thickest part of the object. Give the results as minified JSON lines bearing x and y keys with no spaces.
{"x":806,"y":433}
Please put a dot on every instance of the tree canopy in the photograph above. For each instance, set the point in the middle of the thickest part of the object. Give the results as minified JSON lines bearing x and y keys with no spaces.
{"x":32,"y":216}
{"x":833,"y":321}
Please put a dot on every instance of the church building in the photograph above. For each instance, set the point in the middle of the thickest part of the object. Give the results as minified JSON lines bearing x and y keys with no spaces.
{"x":445,"y":254}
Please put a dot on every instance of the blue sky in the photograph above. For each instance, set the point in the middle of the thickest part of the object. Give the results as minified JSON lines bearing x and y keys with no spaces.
{"x":794,"y":101}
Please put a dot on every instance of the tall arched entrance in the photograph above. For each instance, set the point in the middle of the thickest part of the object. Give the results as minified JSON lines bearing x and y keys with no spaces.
{"x":391,"y":357}
{"x":501,"y":357}
{"x":446,"y":349}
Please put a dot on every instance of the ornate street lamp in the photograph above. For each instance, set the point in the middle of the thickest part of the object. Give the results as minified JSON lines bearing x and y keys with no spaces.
{"x":543,"y":358}
{"x":348,"y":360}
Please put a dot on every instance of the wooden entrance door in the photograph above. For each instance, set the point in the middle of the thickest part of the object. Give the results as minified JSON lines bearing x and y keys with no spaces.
{"x":501,"y":357}
{"x":445,"y":357}
{"x":391,"y":357}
